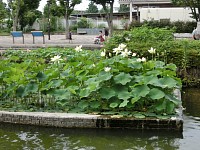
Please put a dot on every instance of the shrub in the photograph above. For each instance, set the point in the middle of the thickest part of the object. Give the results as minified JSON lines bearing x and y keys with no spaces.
{"x":178,"y":26}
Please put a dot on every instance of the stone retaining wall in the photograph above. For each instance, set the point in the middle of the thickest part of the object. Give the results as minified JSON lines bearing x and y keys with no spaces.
{"x":70,"y":120}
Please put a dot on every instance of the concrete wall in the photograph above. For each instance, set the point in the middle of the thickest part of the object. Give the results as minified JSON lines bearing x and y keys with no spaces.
{"x":173,"y":14}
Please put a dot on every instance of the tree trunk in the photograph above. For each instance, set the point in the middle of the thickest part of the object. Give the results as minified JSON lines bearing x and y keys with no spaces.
{"x":109,"y":18}
{"x":67,"y":26}
{"x":15,"y":16}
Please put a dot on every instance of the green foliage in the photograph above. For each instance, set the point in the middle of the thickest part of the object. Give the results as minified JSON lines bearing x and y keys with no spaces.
{"x":28,"y":13}
{"x":84,"y":81}
{"x":3,"y":12}
{"x":83,"y":23}
{"x":124,"y":8}
{"x":177,"y":26}
{"x":184,"y":53}
{"x":92,"y":8}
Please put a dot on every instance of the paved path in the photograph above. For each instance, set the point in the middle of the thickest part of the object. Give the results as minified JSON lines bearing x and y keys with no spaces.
{"x":6,"y":42}
{"x":55,"y":41}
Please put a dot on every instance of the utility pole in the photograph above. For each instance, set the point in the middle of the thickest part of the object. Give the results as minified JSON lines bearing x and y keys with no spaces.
{"x":66,"y":2}
{"x":49,"y":25}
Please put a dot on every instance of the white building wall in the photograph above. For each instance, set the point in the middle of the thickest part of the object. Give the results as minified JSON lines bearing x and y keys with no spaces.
{"x":173,"y":14}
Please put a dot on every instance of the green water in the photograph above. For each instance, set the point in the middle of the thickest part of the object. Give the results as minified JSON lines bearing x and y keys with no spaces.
{"x":18,"y":137}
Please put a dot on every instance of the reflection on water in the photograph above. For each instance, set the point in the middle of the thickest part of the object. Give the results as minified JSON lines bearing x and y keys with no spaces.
{"x":191,"y":100}
{"x":18,"y":137}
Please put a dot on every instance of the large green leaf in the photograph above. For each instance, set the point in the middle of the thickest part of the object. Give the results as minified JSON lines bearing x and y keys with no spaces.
{"x":139,"y":116}
{"x":114,"y":105}
{"x":150,"y":65}
{"x":122,"y":78}
{"x":124,"y":94}
{"x":57,"y":83}
{"x":153,"y":80}
{"x":171,"y":66}
{"x":159,"y":64}
{"x":85,"y":92}
{"x":21,"y":92}
{"x":52,"y":84}
{"x":60,"y":94}
{"x":66,"y":72}
{"x":168,"y":82}
{"x":135,"y":65}
{"x":104,"y":76}
{"x":135,"y":99}
{"x":73,"y":89}
{"x":140,"y":91}
{"x":95,"y":104}
{"x":41,"y":76}
{"x":107,"y":93}
{"x":90,"y":80}
{"x":170,"y":107}
{"x":172,"y":99}
{"x":161,"y":106}
{"x":83,"y":104}
{"x":32,"y":87}
{"x":124,"y":103}
{"x":94,"y":86}
{"x":156,"y":94}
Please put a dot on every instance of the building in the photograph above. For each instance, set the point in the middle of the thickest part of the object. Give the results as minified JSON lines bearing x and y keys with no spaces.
{"x":157,"y":10}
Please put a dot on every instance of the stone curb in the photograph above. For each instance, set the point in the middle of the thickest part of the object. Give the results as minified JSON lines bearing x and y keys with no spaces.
{"x":72,"y":120}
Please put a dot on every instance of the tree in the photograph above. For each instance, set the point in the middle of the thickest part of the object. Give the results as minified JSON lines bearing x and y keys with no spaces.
{"x":193,"y":4}
{"x":66,"y":8}
{"x":15,"y":7}
{"x":124,"y":8}
{"x":28,"y":13}
{"x":3,"y":11}
{"x":108,"y":10}
{"x":92,"y":8}
{"x":21,"y":9}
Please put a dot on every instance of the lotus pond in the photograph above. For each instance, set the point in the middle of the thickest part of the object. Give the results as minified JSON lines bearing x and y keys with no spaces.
{"x":76,"y":80}
{"x":40,"y":138}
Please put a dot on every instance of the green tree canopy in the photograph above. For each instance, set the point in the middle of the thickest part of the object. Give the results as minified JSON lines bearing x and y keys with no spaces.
{"x":23,"y":12}
{"x":28,"y":13}
{"x":193,"y":4}
{"x":92,"y":8}
{"x":124,"y":8}
{"x":108,"y":10}
{"x":3,"y":11}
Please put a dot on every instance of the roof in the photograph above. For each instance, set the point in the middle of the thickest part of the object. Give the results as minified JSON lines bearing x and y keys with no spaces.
{"x":141,"y":3}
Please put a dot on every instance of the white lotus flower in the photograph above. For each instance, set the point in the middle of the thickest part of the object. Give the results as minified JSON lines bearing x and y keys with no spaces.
{"x":134,"y":54}
{"x":127,"y":39}
{"x":152,"y":50}
{"x":93,"y":65}
{"x":103,"y":53}
{"x":122,"y":46}
{"x":107,"y":69}
{"x":173,"y":118}
{"x":56,"y":58}
{"x":78,"y":48}
{"x":126,"y":53}
{"x":143,"y":59}
{"x":139,"y":60}
{"x":117,"y":50}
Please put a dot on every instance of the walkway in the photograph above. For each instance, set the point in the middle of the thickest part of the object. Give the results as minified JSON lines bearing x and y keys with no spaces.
{"x":6,"y":42}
